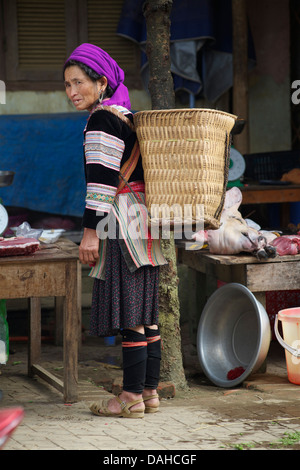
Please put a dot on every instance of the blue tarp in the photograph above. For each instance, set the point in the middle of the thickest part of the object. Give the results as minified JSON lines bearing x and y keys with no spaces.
{"x":46,"y":153}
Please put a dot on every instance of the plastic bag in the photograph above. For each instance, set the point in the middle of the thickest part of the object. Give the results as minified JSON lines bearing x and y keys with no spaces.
{"x":25,"y":230}
{"x":45,"y":236}
{"x":4,"y":336}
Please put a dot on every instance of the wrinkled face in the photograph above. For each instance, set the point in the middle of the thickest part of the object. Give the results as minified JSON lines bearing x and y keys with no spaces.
{"x":80,"y":89}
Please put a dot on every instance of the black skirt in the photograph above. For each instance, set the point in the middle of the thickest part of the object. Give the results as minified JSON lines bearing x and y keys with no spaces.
{"x":125,"y":299}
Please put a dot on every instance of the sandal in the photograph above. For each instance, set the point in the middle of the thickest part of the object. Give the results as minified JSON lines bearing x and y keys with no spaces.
{"x":151,"y":408}
{"x":101,"y":409}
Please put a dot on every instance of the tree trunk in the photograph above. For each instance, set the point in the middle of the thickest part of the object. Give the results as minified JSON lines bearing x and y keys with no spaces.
{"x":157,"y":15}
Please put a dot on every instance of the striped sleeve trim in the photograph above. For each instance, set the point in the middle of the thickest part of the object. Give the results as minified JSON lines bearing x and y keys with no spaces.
{"x":100,"y":197}
{"x":103,"y":149}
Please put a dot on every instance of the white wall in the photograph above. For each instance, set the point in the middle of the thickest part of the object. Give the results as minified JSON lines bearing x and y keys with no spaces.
{"x":39,"y":102}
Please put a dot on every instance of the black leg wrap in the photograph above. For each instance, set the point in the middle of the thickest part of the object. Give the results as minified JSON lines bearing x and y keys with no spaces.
{"x":154,"y":358}
{"x":134,"y":349}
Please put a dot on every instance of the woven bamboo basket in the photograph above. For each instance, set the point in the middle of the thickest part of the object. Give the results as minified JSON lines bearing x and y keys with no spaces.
{"x":185,"y":154}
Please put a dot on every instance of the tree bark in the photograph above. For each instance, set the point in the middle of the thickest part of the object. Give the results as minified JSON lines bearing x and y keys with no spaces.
{"x":161,"y":88}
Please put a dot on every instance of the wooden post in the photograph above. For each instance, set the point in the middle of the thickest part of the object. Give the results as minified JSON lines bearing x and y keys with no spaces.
{"x":240,"y":71}
{"x":34,"y":343}
{"x":71,"y":330}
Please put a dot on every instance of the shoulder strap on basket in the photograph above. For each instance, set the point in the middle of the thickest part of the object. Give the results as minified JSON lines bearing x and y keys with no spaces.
{"x":129,"y":166}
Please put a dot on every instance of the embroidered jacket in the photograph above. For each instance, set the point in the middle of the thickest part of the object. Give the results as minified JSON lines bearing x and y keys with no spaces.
{"x":108,"y":144}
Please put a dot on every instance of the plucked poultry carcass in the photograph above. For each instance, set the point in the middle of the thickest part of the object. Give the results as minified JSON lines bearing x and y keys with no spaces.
{"x":235,"y":235}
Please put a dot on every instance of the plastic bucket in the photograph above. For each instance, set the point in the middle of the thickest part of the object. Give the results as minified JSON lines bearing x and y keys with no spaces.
{"x":290,"y":320}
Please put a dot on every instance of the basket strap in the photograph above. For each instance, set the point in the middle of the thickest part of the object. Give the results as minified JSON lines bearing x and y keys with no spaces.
{"x":129,"y":166}
{"x":226,"y":171}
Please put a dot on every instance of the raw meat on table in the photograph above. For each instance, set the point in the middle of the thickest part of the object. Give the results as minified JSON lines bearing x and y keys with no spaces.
{"x":235,"y":235}
{"x":18,"y":246}
{"x":287,"y":245}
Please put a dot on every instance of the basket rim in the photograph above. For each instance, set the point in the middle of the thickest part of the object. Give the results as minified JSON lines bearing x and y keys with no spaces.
{"x":190,"y":110}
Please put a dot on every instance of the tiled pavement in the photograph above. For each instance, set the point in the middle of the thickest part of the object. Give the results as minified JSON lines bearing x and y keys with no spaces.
{"x":256,"y":415}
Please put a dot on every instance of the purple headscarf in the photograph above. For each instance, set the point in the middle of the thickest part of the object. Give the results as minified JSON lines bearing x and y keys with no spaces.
{"x":101,"y":62}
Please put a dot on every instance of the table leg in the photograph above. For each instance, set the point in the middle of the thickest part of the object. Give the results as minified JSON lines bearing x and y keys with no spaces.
{"x":79,"y":303}
{"x":59,"y":316}
{"x":34,"y":339}
{"x":261,"y":297}
{"x":71,"y":335}
{"x":59,"y":311}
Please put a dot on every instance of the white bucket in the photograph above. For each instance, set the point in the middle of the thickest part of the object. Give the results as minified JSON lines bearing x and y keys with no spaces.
{"x":290,"y":319}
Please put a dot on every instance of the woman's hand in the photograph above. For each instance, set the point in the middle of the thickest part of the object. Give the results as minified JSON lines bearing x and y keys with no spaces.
{"x":89,"y":247}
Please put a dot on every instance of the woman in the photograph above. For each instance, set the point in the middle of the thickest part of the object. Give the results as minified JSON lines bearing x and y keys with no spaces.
{"x":125,"y":267}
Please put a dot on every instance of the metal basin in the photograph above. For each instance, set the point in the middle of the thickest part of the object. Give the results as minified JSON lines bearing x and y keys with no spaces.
{"x":234,"y":331}
{"x":6,"y":178}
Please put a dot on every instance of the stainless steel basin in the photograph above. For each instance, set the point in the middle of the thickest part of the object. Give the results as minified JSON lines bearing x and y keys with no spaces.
{"x":234,"y":331}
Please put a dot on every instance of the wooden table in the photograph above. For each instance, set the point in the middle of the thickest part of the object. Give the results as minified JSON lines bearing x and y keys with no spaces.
{"x":280,"y":273}
{"x":265,"y":194}
{"x":52,"y":271}
{"x":260,"y":193}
